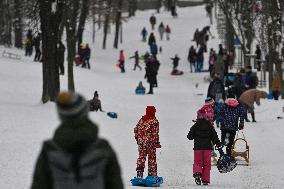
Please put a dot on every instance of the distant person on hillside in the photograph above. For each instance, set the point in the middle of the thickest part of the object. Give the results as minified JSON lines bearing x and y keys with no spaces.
{"x":76,"y":157}
{"x":161,"y":30}
{"x":258,"y":57}
{"x":147,"y":138}
{"x":152,"y":66}
{"x":37,"y":44}
{"x":200,"y":59}
{"x":208,"y":8}
{"x":151,"y":39}
{"x":144,"y":34}
{"x":174,"y":11}
{"x":276,"y":85}
{"x":136,"y":59}
{"x":60,"y":56}
{"x":168,"y":32}
{"x":175,"y":62}
{"x":153,"y":21}
{"x":196,"y":37}
{"x":86,"y":57}
{"x":95,"y":104}
{"x":216,"y":89}
{"x":121,"y":61}
{"x":29,"y":43}
{"x":251,"y":79}
{"x":212,"y":61}
{"x":192,"y":58}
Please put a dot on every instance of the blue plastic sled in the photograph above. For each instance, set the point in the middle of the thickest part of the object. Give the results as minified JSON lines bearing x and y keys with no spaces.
{"x":270,"y":96}
{"x":112,"y":115}
{"x":140,"y":91}
{"x":149,"y":181}
{"x":225,"y":163}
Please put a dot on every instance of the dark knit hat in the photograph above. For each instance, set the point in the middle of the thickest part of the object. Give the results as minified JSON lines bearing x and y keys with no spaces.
{"x":71,"y":106}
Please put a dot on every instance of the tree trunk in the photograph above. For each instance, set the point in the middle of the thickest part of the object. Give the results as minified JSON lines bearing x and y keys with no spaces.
{"x":106,"y":23}
{"x":18,"y":24}
{"x":50,"y":21}
{"x":82,"y":20}
{"x":117,"y":24}
{"x":71,"y":25}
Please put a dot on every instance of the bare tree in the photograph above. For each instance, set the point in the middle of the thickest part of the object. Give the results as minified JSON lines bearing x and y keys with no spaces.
{"x":82,"y":20}
{"x":50,"y":12}
{"x":117,"y":23}
{"x":18,"y":23}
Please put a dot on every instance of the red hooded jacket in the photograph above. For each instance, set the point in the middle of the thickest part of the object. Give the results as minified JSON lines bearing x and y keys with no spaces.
{"x":147,"y":129}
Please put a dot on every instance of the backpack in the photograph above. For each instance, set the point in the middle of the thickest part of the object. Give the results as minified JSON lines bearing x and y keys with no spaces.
{"x":91,"y":167}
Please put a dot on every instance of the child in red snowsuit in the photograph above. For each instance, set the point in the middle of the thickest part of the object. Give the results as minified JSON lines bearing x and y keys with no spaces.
{"x":204,"y":135}
{"x":147,"y":138}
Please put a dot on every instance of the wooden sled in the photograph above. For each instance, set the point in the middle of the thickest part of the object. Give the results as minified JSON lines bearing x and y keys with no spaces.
{"x":11,"y":55}
{"x":244,"y":154}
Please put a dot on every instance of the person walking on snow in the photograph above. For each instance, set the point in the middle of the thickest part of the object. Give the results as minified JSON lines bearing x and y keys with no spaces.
{"x":153,"y":21}
{"x":203,"y":134}
{"x":151,"y":39}
{"x":121,"y":61}
{"x":192,"y":58}
{"x":136,"y":57}
{"x":161,"y":30}
{"x":168,"y":32}
{"x":144,"y":34}
{"x":233,"y":120}
{"x":60,"y":56}
{"x":76,"y":157}
{"x":86,"y":55}
{"x":147,"y":138}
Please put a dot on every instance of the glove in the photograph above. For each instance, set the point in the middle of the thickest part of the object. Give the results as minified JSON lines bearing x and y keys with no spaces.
{"x":241,"y":126}
{"x":219,"y":146}
{"x":158,"y":145}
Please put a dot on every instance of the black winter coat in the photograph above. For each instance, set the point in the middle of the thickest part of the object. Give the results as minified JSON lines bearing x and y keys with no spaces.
{"x":74,"y":138}
{"x":216,"y":88}
{"x":204,"y":135}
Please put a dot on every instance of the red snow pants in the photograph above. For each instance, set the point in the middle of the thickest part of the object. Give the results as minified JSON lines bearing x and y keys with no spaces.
{"x":202,"y":164}
{"x":152,"y":163}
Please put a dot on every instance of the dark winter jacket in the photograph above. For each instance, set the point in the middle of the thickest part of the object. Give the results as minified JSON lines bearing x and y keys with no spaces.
{"x":151,"y":40}
{"x":200,"y":55}
{"x":192,"y":55}
{"x":203,"y":134}
{"x":153,"y":20}
{"x":152,"y":68}
{"x":251,"y":80}
{"x":75,"y":144}
{"x":87,"y":53}
{"x":175,"y":62}
{"x":136,"y":57}
{"x":216,"y":90}
{"x":233,"y":116}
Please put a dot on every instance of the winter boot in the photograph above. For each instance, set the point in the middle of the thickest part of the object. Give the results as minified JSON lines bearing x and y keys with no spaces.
{"x":197,"y":177}
{"x":253,"y":117}
{"x":246,"y":118}
{"x":139,"y":174}
{"x":205,"y":183}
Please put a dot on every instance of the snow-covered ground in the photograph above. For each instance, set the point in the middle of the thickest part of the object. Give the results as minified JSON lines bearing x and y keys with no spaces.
{"x":25,"y":122}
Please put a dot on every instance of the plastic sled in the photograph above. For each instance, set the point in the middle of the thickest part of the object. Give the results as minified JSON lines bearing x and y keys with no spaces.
{"x":140,"y":91}
{"x":117,"y":65}
{"x":225,"y":163}
{"x":149,"y":181}
{"x":112,"y":115}
{"x":245,"y":153}
{"x":177,"y":72}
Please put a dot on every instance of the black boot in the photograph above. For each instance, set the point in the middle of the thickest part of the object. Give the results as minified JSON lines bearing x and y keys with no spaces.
{"x":253,"y":117}
{"x":197,"y":177}
{"x":246,"y":118}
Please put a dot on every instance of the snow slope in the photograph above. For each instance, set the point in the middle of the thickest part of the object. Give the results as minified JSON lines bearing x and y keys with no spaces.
{"x":25,"y":122}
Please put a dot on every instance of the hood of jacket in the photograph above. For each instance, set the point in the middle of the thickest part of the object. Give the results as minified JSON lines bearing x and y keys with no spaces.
{"x":76,"y":136}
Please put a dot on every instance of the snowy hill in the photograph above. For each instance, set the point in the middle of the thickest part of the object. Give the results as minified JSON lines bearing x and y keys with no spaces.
{"x":25,"y":123}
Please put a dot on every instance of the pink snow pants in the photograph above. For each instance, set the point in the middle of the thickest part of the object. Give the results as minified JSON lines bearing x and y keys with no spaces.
{"x":202,"y":164}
